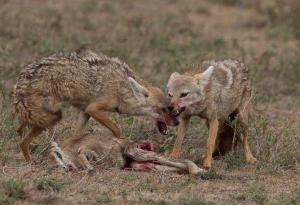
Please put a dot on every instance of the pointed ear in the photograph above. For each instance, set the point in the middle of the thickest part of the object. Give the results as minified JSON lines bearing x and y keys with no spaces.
{"x":203,"y":78}
{"x":173,"y":76}
{"x":137,"y":88}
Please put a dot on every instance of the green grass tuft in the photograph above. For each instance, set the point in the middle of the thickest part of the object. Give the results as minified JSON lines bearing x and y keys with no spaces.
{"x":153,"y":201}
{"x":292,"y":198}
{"x":131,"y":176}
{"x":194,"y":200}
{"x":103,"y":198}
{"x":234,"y":161}
{"x":211,"y":175}
{"x":12,"y":190}
{"x":50,"y":184}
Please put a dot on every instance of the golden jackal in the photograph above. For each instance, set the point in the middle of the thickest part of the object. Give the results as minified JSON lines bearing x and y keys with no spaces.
{"x":93,"y":83}
{"x":85,"y":149}
{"x":221,"y":92}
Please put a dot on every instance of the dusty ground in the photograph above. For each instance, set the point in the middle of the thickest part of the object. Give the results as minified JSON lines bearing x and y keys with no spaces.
{"x":156,"y":38}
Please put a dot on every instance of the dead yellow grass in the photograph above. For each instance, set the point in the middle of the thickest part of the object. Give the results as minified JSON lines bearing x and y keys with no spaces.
{"x":156,"y":38}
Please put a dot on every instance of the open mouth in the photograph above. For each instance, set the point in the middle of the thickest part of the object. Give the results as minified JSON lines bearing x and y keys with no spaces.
{"x":177,"y":112}
{"x":162,"y":127}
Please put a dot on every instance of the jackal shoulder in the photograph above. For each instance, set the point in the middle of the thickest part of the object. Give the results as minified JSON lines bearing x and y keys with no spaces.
{"x":225,"y":72}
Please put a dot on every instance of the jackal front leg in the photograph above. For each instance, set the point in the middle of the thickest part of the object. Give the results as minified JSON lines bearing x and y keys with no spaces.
{"x":97,"y":110}
{"x":176,"y":152}
{"x":243,"y":119}
{"x":211,"y":141}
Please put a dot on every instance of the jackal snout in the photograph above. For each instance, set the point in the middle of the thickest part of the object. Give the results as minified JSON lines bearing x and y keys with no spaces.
{"x":175,"y":109}
{"x":168,"y":116}
{"x":167,"y":119}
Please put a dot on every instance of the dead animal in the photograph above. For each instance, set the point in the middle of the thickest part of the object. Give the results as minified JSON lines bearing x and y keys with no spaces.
{"x":88,"y":149}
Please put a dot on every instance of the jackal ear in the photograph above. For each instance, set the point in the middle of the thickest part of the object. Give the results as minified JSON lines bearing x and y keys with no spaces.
{"x":137,"y":88}
{"x":172,"y":77}
{"x":203,"y":78}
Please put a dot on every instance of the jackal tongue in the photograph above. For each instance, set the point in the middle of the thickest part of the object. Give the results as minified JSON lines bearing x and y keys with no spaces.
{"x":162,"y":127}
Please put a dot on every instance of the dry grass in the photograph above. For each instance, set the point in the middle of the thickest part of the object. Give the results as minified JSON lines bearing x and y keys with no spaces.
{"x":156,"y":38}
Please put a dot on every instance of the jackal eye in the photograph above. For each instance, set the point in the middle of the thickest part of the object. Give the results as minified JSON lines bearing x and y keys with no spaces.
{"x":182,"y":95}
{"x":170,"y":95}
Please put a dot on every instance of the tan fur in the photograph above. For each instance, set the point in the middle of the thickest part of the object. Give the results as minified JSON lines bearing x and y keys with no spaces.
{"x":93,"y":83}
{"x":82,"y":149}
{"x":214,"y":91}
{"x":85,"y":149}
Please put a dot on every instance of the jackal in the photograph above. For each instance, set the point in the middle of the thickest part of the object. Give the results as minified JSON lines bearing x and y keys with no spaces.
{"x":93,"y":83}
{"x":216,"y":91}
{"x":85,"y":150}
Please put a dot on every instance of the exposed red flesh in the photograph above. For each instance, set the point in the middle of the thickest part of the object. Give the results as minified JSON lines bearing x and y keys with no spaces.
{"x":138,"y":165}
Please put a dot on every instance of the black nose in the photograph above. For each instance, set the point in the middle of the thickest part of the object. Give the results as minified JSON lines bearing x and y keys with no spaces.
{"x":170,"y":108}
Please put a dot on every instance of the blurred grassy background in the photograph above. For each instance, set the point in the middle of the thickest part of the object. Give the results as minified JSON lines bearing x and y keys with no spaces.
{"x":157,"y":38}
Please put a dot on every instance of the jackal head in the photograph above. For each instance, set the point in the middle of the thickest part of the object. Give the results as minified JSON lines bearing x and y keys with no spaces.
{"x":153,"y":102}
{"x":187,"y":90}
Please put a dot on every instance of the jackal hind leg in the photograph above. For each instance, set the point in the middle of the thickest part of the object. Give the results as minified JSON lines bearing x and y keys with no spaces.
{"x":20,"y":129}
{"x":24,"y":145}
{"x":243,"y":118}
{"x":244,"y":138}
{"x":41,"y":119}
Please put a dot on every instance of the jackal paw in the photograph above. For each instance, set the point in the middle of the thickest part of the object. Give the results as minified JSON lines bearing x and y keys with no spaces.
{"x":251,"y":160}
{"x":207,"y":164}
